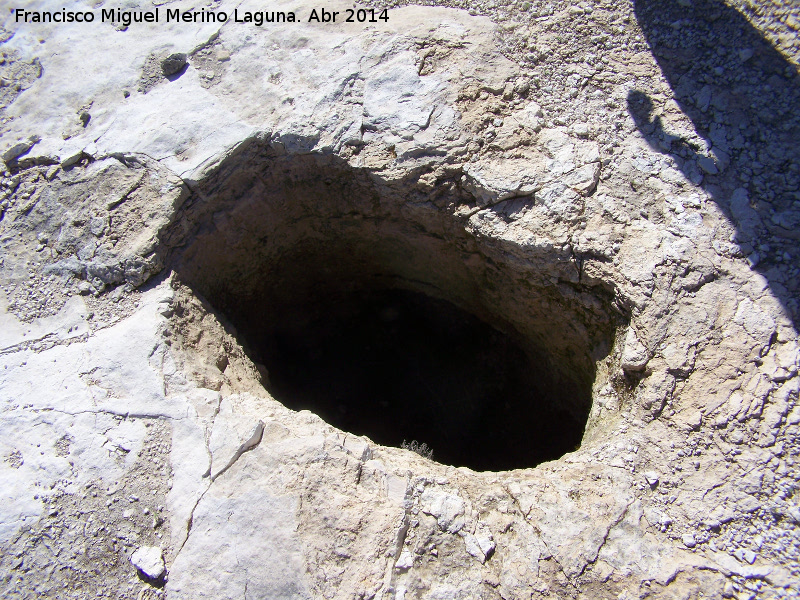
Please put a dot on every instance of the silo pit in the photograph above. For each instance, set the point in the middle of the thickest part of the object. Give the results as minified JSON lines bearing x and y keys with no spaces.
{"x":380,"y":311}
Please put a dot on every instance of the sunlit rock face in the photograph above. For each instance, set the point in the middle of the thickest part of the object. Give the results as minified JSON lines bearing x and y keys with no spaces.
{"x":448,"y":305}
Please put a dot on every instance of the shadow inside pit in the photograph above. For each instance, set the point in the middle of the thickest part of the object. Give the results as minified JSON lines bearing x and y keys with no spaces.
{"x":743,"y":98}
{"x":398,"y":365}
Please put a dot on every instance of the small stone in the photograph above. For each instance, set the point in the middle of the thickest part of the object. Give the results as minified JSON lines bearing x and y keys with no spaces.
{"x":223,"y":55}
{"x":97,"y":226}
{"x":18,"y":149}
{"x":708,"y":165}
{"x":480,"y":547}
{"x":405,"y":561}
{"x":688,"y":540}
{"x":581,"y":130}
{"x":173,"y":64}
{"x":486,"y":544}
{"x":651,"y":477}
{"x":747,"y":556}
{"x":149,"y":561}
{"x":447,"y":508}
{"x":634,"y":354}
{"x":703,"y":98}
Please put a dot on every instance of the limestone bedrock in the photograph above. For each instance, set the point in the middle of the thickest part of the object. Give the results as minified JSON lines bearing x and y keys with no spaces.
{"x":132,"y":417}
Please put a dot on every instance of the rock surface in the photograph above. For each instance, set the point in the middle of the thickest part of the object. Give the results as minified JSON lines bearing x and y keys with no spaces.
{"x":550,"y":138}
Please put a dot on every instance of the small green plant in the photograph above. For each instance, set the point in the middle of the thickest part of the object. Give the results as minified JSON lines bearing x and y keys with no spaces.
{"x":421,"y":449}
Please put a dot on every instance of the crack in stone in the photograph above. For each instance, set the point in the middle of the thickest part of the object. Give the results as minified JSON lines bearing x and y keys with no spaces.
{"x":540,"y":539}
{"x":605,"y":536}
{"x":250,"y":443}
{"x":48,"y":338}
{"x":400,"y":539}
{"x":207,"y":436}
{"x":124,"y":415}
{"x":190,"y":522}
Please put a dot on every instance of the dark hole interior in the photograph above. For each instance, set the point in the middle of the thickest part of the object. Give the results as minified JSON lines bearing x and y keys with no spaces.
{"x":397,"y":365}
{"x":391,"y":319}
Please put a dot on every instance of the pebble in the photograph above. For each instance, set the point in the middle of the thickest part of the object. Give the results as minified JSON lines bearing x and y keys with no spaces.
{"x":405,"y":561}
{"x":149,"y":561}
{"x":708,"y":165}
{"x":173,"y":64}
{"x":18,"y":149}
{"x":747,"y":556}
{"x":581,"y":130}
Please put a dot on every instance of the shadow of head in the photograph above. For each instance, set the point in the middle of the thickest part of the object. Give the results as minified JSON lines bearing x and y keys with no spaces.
{"x":742,"y":97}
{"x":640,"y":107}
{"x":723,"y":73}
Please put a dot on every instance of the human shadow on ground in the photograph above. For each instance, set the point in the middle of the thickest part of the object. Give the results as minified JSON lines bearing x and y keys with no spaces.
{"x":743,"y":98}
